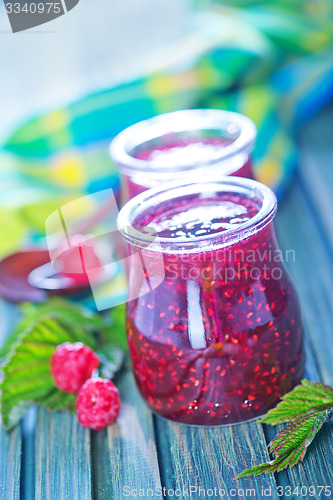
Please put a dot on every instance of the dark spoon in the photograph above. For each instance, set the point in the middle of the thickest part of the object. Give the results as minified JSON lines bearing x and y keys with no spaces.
{"x":14,"y":272}
{"x":46,"y":278}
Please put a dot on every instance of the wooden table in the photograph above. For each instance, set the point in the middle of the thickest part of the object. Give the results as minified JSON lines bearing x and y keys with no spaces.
{"x":50,"y":456}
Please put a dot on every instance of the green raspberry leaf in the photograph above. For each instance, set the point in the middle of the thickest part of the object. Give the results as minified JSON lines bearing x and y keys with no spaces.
{"x":68,"y":313}
{"x":304,"y":397}
{"x":307,"y":407}
{"x":26,"y":372}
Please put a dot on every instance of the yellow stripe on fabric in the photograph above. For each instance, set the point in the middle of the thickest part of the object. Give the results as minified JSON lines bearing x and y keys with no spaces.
{"x":12,"y":228}
{"x":270,"y":169}
{"x":255,"y":102}
{"x":211,"y":78}
{"x":268,"y":172}
{"x":167,"y":85}
{"x":69,"y":171}
{"x":55,"y":121}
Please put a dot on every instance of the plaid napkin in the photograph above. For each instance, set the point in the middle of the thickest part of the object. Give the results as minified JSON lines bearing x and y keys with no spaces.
{"x":272,"y":61}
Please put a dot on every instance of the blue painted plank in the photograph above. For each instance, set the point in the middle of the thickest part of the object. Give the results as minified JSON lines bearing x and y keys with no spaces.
{"x":62,"y":457}
{"x":208,"y":458}
{"x":312,"y":273}
{"x":10,"y":464}
{"x":10,"y":443}
{"x":125,"y":454}
{"x":316,"y":170}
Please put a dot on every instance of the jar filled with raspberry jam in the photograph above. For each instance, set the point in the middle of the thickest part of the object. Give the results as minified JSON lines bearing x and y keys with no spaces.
{"x":176,"y":146}
{"x":213,"y":320}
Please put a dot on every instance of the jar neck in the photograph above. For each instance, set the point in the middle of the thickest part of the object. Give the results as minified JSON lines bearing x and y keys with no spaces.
{"x":133,"y":222}
{"x":197,"y":126}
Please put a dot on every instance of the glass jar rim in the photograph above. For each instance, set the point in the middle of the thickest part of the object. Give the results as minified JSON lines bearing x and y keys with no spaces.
{"x":236,"y":185}
{"x":177,"y":122}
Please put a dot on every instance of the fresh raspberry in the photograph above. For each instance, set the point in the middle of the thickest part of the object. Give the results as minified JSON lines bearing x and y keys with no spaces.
{"x":72,"y":365}
{"x":98,"y":403}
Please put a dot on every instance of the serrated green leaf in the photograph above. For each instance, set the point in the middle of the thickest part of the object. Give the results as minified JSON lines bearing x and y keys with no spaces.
{"x":257,"y":470}
{"x":58,"y":400}
{"x":304,"y":397}
{"x":16,"y":372}
{"x":68,"y":313}
{"x":291,"y":443}
{"x":26,"y":371}
{"x":294,"y":436}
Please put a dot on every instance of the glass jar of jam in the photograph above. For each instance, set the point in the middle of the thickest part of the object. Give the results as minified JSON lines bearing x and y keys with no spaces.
{"x":178,"y":145}
{"x":213,"y":320}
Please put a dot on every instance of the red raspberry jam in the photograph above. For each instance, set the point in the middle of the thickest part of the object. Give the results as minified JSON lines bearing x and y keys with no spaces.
{"x":219,"y":340}
{"x":181,"y":144}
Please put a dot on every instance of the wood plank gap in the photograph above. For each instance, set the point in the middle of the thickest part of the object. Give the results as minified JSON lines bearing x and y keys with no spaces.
{"x":159,"y":450}
{"x":93,"y":470}
{"x":27,"y":480}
